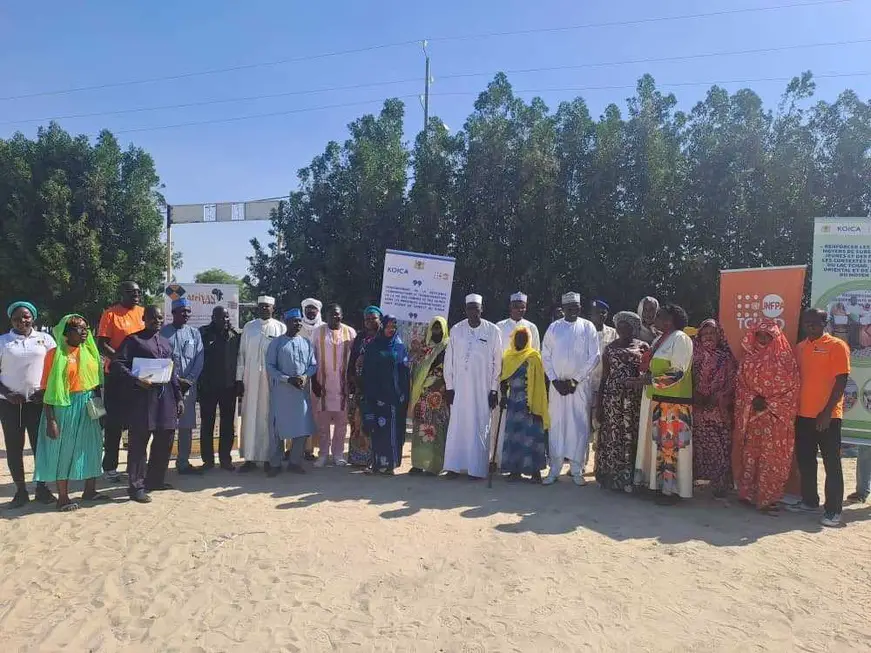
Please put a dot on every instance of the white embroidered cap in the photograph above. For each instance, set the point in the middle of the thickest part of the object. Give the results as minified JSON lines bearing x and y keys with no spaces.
{"x":474,"y":299}
{"x":572,"y":298}
{"x":266,"y":299}
{"x":518,"y":297}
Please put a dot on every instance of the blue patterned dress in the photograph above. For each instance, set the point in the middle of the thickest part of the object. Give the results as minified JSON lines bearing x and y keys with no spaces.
{"x":523,"y":451}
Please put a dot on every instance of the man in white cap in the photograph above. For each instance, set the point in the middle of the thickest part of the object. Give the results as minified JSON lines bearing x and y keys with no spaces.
{"x":311,"y":322}
{"x":251,"y":374}
{"x":473,"y":364}
{"x":516,"y":313}
{"x":570,"y":354}
{"x":311,"y":317}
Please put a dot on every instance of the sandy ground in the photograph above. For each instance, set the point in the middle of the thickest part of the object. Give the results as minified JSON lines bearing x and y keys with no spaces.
{"x":337,"y":561}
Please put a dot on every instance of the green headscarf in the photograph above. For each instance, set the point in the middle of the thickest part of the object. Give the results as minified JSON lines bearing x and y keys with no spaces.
{"x":421,"y":370}
{"x":57,"y":391}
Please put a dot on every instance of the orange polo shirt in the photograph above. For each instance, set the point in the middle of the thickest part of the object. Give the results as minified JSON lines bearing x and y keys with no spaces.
{"x":820,"y":362}
{"x":118,"y":322}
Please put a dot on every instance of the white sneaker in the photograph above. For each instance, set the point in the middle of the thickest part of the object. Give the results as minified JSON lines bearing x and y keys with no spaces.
{"x":831,"y":519}
{"x":321,"y":462}
{"x":341,"y":462}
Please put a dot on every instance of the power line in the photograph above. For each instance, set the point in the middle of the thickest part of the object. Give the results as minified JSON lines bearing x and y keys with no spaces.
{"x":474,"y":93}
{"x":520,"y":71}
{"x":384,"y":46}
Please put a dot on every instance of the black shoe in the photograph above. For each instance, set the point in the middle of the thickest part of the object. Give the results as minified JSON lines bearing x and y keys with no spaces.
{"x":310,"y":456}
{"x":208,"y":466}
{"x":514,"y":477}
{"x":273,"y":472}
{"x":247,"y":466}
{"x":160,"y":488}
{"x":20,"y":500}
{"x":191,"y":471}
{"x":451,"y":475}
{"x":44,"y":495}
{"x":140,"y":496}
{"x":415,"y":471}
{"x":228,"y":467}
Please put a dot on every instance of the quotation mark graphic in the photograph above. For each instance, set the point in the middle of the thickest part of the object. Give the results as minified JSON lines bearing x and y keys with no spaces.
{"x":417,"y":282}
{"x":412,"y":316}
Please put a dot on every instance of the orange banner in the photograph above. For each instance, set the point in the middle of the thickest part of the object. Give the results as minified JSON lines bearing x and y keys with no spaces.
{"x":748,"y":296}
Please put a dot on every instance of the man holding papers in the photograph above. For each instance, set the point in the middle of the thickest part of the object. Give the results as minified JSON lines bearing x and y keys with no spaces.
{"x":144,"y":360}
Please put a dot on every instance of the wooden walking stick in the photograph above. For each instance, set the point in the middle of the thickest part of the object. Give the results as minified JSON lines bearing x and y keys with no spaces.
{"x":492,"y":466}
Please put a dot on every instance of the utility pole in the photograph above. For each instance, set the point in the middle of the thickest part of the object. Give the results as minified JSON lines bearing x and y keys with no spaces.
{"x":426,"y":95}
{"x":168,"y":244}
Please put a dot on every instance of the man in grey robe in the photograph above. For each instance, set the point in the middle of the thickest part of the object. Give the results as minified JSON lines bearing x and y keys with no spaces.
{"x":290,"y":364}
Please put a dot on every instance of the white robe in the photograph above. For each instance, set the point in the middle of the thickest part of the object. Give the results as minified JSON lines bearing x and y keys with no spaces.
{"x":570,"y":351}
{"x":473,"y":363}
{"x":255,"y":437}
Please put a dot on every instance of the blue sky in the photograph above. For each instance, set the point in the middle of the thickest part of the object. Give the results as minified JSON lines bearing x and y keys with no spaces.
{"x":51,"y":45}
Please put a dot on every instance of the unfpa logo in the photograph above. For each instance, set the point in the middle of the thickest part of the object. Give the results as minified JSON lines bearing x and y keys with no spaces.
{"x":750,"y":309}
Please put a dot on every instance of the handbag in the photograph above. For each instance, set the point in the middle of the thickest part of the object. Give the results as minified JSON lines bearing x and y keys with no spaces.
{"x":95,"y":408}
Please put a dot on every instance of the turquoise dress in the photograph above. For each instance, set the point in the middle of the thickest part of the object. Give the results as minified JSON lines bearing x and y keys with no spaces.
{"x":77,"y":454}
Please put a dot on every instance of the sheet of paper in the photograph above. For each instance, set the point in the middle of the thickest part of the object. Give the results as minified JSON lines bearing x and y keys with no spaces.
{"x":155,"y":370}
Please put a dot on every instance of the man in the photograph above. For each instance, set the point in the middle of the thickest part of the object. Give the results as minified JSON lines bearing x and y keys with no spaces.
{"x":256,"y":438}
{"x":824,"y":363}
{"x":647,"y":310}
{"x":187,"y":356}
{"x":855,"y":310}
{"x":290,"y":363}
{"x":332,"y":346}
{"x":516,"y":313}
{"x":153,"y":409}
{"x":311,"y":321}
{"x":599,"y":311}
{"x":218,"y":388}
{"x":570,"y":353}
{"x":118,"y":321}
{"x":473,"y":363}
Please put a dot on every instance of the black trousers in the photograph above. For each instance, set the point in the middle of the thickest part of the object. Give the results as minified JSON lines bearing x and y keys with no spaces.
{"x":807,"y":441}
{"x":114,"y":399}
{"x":148,"y":474}
{"x":210,"y":403}
{"x":15,"y":420}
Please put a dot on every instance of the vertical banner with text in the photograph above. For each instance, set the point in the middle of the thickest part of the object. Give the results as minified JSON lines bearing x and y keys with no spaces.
{"x":750,"y":295}
{"x":842,"y":286}
{"x":203,"y":298}
{"x":416,"y":288}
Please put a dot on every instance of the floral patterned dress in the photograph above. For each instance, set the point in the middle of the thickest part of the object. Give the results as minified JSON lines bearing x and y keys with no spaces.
{"x":621,"y":410}
{"x":359,"y":444}
{"x":430,"y":423}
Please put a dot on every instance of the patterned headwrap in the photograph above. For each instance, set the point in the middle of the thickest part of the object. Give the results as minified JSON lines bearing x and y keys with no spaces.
{"x":90,"y":369}
{"x":372,"y":310}
{"x":293,"y":312}
{"x":14,"y":306}
{"x":632,"y":319}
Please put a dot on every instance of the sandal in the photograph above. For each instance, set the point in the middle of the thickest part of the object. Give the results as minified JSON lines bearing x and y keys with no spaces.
{"x":772,"y":510}
{"x":68,"y":507}
{"x":96,"y":496}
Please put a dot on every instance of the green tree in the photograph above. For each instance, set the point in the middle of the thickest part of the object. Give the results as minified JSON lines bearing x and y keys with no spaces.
{"x":219,"y":276}
{"x":76,"y":219}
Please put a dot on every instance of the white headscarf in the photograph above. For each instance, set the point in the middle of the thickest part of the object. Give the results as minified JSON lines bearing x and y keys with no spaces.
{"x":308,"y":326}
{"x":651,"y":300}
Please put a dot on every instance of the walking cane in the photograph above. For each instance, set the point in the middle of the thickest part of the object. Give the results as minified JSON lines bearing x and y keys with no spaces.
{"x":492,"y":466}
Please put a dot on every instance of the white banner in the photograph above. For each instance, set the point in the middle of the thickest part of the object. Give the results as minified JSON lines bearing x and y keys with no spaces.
{"x":203,"y":298}
{"x":416,"y":287}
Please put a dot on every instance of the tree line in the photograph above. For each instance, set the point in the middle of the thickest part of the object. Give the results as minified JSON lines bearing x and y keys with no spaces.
{"x":644,"y":200}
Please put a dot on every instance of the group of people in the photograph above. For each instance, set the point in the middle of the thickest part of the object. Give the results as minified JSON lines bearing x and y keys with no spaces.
{"x":663,"y":410}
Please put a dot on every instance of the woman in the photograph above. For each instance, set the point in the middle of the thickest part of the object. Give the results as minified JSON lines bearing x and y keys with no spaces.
{"x":70,"y":438}
{"x":620,"y":407}
{"x":359,"y":445}
{"x":386,"y":377}
{"x":22,"y":359}
{"x":714,"y":369}
{"x":524,"y":400}
{"x":664,"y":461}
{"x":765,"y":412}
{"x":431,"y":411}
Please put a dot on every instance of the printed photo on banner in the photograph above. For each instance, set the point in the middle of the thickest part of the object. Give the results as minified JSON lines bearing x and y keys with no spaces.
{"x":204,"y":297}
{"x":842,"y":287}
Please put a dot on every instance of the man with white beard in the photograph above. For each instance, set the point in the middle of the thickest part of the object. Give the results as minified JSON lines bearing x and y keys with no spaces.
{"x":311,"y":322}
{"x":256,"y":436}
{"x":570,"y":354}
{"x":516,"y":313}
{"x":473,"y":364}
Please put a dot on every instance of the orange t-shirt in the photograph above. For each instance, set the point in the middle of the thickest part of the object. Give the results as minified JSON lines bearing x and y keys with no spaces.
{"x":118,"y":322}
{"x":820,"y":362}
{"x":75,"y":384}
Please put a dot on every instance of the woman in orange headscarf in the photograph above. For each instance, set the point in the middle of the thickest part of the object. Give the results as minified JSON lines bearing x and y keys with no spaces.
{"x":765,"y":410}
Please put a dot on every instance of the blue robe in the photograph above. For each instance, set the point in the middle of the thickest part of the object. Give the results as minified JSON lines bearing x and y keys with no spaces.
{"x":386,"y":390}
{"x":187,"y":358}
{"x":290,"y":408}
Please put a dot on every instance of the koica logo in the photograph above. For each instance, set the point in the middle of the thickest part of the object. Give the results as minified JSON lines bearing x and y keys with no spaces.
{"x":397,"y":270}
{"x":750,"y":309}
{"x":849,"y":229}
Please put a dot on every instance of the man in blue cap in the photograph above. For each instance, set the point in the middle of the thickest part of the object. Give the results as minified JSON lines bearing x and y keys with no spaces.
{"x":187,"y":358}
